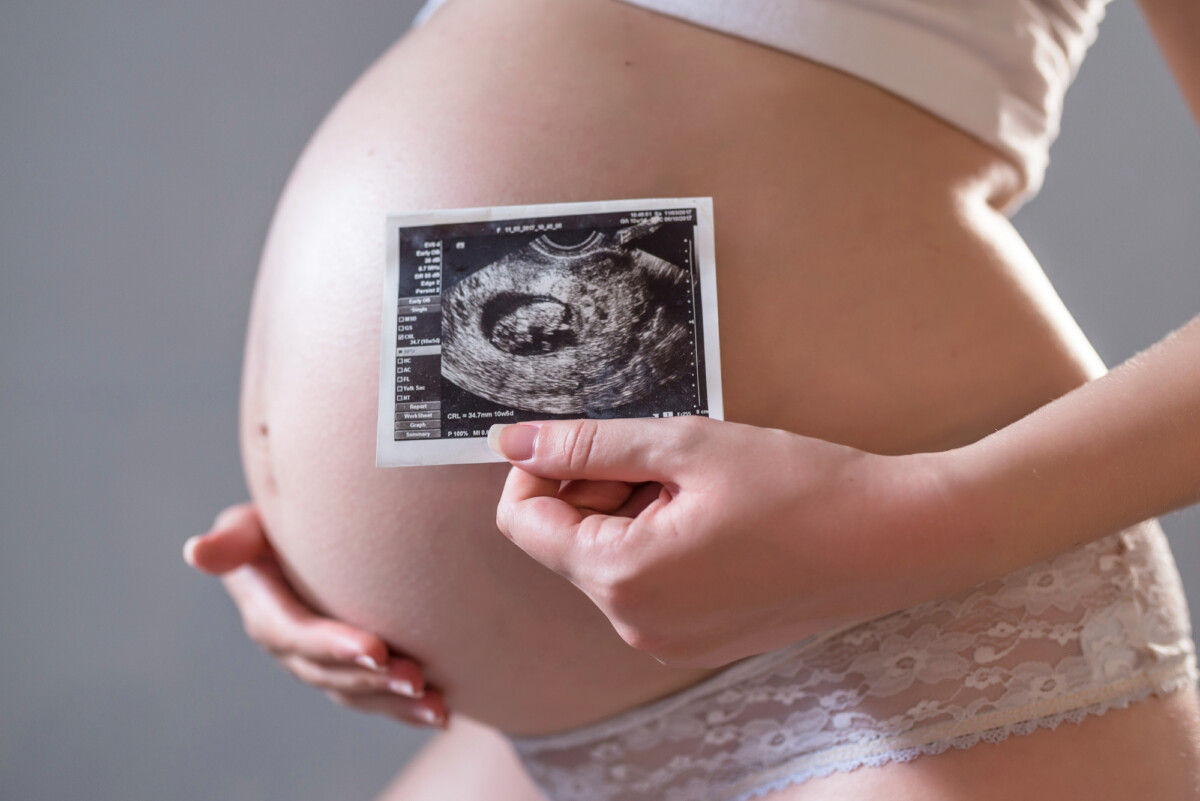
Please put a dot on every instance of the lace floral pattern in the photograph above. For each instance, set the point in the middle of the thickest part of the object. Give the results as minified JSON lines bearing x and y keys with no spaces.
{"x":1096,"y":628}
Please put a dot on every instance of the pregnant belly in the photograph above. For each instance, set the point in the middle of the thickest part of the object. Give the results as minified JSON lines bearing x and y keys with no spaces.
{"x":868,"y":294}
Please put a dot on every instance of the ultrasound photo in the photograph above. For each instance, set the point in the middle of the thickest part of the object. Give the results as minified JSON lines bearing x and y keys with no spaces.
{"x":503,"y":315}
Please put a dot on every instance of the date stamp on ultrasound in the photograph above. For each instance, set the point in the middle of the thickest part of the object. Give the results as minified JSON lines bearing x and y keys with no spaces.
{"x":518,"y":313}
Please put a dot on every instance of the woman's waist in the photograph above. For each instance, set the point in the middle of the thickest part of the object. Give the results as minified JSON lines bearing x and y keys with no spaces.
{"x":535,"y":101}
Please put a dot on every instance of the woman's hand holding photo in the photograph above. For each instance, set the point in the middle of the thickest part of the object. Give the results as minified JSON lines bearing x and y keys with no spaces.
{"x":705,"y":541}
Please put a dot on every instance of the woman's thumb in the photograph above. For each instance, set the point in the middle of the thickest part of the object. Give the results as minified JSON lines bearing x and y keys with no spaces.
{"x":235,"y":539}
{"x":601,"y":450}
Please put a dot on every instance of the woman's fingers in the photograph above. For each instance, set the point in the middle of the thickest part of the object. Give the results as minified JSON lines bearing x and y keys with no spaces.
{"x":237,"y":549}
{"x":236,"y":538}
{"x":532,"y":516}
{"x":428,"y":711}
{"x":279,"y":622}
{"x":616,"y":471}
{"x":402,"y":677}
{"x":642,"y":497}
{"x":607,"y":450}
{"x":600,"y":496}
{"x":553,"y":531}
{"x":353,"y":667}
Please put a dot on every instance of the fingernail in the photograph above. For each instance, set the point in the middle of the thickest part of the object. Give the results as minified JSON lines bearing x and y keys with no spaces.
{"x":427,"y":715}
{"x":223,"y":517}
{"x":405,"y":688}
{"x":362,"y":660}
{"x":189,"y":550}
{"x":513,"y":442}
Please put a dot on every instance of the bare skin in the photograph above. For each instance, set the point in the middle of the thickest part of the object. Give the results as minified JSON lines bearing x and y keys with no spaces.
{"x":871,"y":294}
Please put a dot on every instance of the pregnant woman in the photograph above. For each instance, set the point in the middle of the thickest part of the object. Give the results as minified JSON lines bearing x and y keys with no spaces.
{"x":861,"y":159}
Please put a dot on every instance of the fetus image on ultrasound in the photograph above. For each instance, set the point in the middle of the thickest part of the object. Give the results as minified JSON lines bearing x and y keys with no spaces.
{"x":575,"y":322}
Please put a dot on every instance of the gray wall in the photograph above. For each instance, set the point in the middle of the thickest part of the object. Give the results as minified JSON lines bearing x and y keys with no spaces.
{"x":142,"y":146}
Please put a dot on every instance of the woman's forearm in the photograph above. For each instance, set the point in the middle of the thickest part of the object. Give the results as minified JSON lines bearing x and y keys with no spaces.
{"x":1116,"y":451}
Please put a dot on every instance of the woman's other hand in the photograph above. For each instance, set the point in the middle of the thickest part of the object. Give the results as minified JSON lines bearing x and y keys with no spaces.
{"x":705,"y":541}
{"x":353,"y":667}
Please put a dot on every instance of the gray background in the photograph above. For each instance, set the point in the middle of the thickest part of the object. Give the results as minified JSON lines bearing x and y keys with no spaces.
{"x":142,"y":147}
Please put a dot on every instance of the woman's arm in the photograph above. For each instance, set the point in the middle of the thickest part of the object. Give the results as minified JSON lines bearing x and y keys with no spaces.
{"x":728,"y":540}
{"x":1116,"y":451}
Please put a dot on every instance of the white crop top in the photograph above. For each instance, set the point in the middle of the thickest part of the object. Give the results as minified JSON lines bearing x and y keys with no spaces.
{"x":997,"y":69}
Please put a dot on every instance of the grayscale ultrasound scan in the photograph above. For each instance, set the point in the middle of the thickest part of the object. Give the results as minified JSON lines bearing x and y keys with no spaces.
{"x":538,"y":312}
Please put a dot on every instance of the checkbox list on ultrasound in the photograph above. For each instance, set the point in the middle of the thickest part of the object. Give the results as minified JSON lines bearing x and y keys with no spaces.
{"x":419,"y":346}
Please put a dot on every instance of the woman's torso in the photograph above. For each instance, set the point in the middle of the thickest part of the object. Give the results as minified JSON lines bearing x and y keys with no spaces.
{"x":869,"y":291}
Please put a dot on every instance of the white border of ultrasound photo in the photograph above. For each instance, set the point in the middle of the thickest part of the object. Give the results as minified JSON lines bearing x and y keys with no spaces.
{"x":468,"y":450}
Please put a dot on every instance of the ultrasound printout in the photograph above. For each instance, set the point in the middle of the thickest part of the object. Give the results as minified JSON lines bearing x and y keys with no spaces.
{"x":509,"y":314}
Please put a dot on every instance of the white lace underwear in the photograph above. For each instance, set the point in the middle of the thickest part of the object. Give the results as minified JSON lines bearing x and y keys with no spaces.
{"x":1097,"y":628}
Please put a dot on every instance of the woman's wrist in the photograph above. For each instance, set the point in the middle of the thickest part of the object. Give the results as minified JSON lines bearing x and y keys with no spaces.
{"x":984,"y":519}
{"x":1018,"y":497}
{"x":944,"y":544}
{"x":963,"y":517}
{"x":898,"y":531}
{"x":1118,"y":450}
